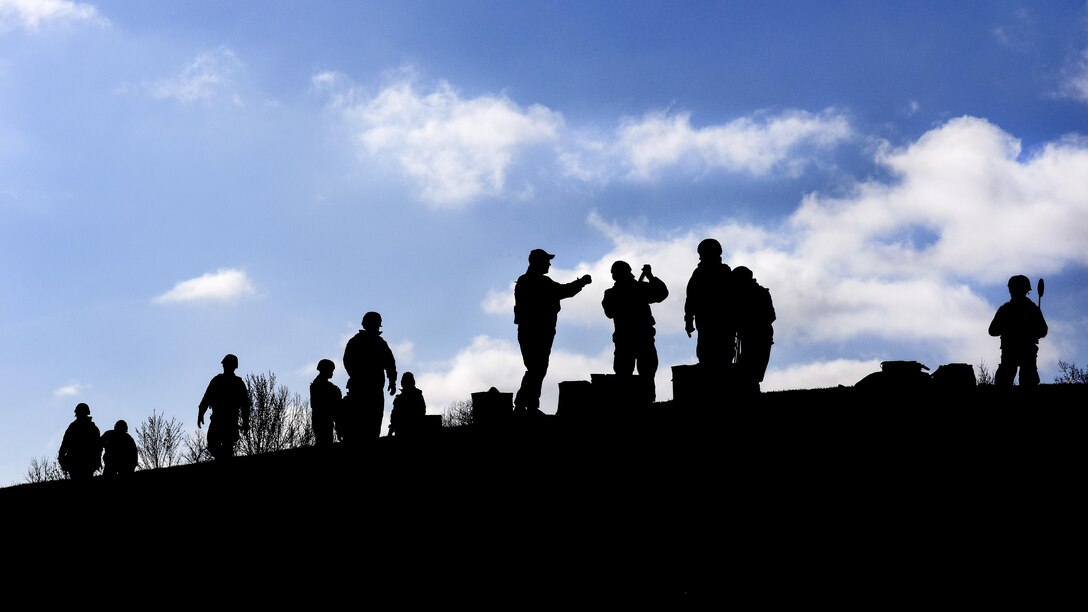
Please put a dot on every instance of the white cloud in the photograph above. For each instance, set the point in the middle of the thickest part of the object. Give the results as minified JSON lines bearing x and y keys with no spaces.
{"x":1075,"y":84}
{"x":31,"y":15}
{"x":758,"y":144}
{"x":457,"y":148}
{"x":224,"y":285}
{"x":208,"y":78}
{"x":69,"y":390}
{"x":490,"y":362}
{"x":894,"y":264}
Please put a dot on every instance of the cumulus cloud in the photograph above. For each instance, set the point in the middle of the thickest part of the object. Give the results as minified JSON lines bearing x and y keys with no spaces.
{"x":224,"y":285}
{"x":208,"y":78}
{"x":31,"y":15}
{"x":490,"y":362}
{"x":898,"y":262}
{"x":457,"y":148}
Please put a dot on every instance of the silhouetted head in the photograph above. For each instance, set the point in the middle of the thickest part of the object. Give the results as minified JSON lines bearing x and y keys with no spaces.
{"x":372,"y":321}
{"x":539,"y":257}
{"x":407,"y":380}
{"x":742,"y":273}
{"x":326,"y":366}
{"x":621,"y":269}
{"x":121,"y":426}
{"x":710,"y":249}
{"x":1019,"y":285}
{"x":83,"y":409}
{"x":230,"y":361}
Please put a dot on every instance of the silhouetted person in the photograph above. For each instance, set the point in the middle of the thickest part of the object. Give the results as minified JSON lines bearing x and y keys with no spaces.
{"x":1020,"y":324}
{"x":627,"y":303}
{"x":119,"y":452}
{"x":755,"y":332}
{"x":536,"y":309}
{"x":325,"y":400}
{"x":228,"y":397}
{"x":709,"y":309}
{"x":80,"y":453}
{"x":409,"y":408}
{"x":369,"y":363}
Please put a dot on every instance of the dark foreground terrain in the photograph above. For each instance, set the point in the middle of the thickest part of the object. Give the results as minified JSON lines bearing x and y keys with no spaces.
{"x":837,"y":497}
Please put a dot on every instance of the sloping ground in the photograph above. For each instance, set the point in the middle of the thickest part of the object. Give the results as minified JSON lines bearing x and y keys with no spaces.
{"x":831,"y":496}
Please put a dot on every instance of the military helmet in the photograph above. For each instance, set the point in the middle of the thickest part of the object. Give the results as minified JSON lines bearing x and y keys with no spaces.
{"x":83,"y":409}
{"x":326,"y":365}
{"x":710,"y":248}
{"x":230,"y":360}
{"x":742,"y":272}
{"x":1020,"y":283}
{"x":621,"y":266}
{"x":121,"y":426}
{"x":372,"y":319}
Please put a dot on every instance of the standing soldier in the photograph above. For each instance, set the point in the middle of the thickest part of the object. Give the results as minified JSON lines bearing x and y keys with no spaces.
{"x":536,"y":309}
{"x":1020,"y":324}
{"x":228,"y":397}
{"x":627,"y":303}
{"x":709,"y":309}
{"x":369,"y":363}
{"x":755,"y":332}
{"x":325,"y":398}
{"x":80,"y":453}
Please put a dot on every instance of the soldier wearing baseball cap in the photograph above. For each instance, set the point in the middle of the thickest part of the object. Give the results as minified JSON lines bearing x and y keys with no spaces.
{"x":536,"y":310}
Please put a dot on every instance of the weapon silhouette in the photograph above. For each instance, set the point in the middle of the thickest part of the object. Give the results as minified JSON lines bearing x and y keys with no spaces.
{"x":1040,"y":288}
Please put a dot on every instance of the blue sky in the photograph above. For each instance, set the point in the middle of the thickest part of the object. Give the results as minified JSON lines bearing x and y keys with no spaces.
{"x":182,"y":180}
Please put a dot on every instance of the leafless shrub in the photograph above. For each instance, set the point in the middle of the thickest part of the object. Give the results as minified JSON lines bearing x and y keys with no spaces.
{"x":278,"y":419}
{"x":159,"y":441}
{"x":44,"y":469}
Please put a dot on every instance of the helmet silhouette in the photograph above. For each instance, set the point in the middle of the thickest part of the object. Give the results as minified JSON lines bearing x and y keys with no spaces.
{"x":1020,"y":283}
{"x":709,"y":248}
{"x":372,"y":320}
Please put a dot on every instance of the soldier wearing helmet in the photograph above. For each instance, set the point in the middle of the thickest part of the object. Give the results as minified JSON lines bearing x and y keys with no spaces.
{"x":627,"y":303}
{"x":325,"y":399}
{"x":228,"y":398}
{"x":1020,"y":324}
{"x":119,"y":453}
{"x":80,"y":453}
{"x":371,"y":368}
{"x":709,"y":309}
{"x":755,"y":329}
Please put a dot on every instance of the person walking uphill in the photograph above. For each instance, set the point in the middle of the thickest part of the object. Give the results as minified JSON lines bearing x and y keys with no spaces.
{"x":80,"y":453}
{"x":228,"y":398}
{"x":1020,"y":324}
{"x":369,"y":363}
{"x":536,"y":310}
{"x":627,"y":303}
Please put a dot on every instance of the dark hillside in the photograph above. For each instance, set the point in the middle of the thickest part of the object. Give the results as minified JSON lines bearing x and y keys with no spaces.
{"x":828,"y":495}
